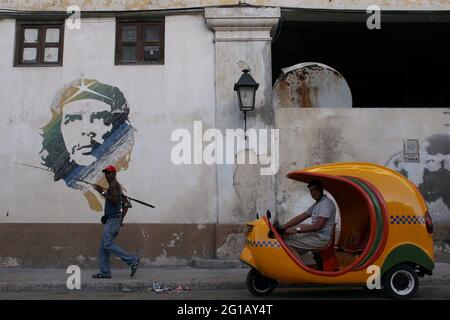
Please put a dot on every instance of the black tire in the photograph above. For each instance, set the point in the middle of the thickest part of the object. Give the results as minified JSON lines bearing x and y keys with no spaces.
{"x":401,"y":282}
{"x":260,"y":285}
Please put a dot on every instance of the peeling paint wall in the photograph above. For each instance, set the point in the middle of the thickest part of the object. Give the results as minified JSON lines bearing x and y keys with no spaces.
{"x":310,"y":136}
{"x":159,"y":244}
{"x":316,"y":136}
{"x":194,"y":84}
{"x":202,"y":62}
{"x":252,"y":188}
{"x":232,"y":247}
{"x":90,"y":5}
{"x":161,"y":98}
{"x":243,"y":37}
{"x":431,"y":173}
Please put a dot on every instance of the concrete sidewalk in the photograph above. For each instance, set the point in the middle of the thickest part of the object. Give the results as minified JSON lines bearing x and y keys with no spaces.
{"x":17,"y":280}
{"x":35,"y":280}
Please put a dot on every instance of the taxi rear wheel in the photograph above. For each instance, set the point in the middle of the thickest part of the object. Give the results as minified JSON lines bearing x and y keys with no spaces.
{"x":260,"y":285}
{"x":401,"y":282}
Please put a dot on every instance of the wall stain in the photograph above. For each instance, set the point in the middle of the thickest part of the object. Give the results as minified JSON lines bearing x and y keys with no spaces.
{"x":311,"y":85}
{"x":432,"y":173}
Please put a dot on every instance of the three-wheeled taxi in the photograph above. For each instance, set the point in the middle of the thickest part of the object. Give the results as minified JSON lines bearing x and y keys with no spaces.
{"x":385,"y":225}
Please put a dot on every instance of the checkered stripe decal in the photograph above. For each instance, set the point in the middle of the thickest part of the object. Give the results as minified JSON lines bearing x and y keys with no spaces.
{"x":263,"y":244}
{"x":407,"y":220}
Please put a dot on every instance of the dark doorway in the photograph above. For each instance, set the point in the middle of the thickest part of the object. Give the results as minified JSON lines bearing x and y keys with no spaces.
{"x":403,"y":64}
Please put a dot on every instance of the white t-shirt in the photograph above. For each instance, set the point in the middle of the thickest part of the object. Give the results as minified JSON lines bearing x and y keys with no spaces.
{"x":323,"y":208}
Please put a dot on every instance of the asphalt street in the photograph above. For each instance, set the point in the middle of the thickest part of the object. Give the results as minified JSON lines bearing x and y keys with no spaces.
{"x":427,"y":292}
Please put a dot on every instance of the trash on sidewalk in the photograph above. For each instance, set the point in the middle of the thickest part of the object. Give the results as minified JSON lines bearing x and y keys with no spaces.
{"x":158,"y":288}
{"x":156,"y":285}
{"x":126,"y":289}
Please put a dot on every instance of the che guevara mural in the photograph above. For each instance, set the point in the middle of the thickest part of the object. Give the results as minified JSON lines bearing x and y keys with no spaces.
{"x":88,"y":129}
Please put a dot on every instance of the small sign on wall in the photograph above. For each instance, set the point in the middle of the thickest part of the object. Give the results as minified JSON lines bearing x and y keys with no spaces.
{"x":411,"y":150}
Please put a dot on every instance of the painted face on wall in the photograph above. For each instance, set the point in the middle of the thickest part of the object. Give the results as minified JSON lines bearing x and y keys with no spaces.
{"x":89,"y":129}
{"x":84,"y":124}
{"x":431,"y":174}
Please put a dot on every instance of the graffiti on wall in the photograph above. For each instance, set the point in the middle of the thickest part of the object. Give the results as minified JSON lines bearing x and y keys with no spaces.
{"x":431,"y":174}
{"x":88,"y":129}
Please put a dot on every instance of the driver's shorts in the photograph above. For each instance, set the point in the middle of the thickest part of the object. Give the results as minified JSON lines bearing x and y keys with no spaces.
{"x":305,"y":242}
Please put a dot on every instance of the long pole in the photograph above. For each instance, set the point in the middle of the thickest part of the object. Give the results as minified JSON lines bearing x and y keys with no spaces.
{"x":89,"y":183}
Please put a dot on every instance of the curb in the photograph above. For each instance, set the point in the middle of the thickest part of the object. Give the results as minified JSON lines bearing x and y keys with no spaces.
{"x":117,"y":286}
{"x":198,"y":263}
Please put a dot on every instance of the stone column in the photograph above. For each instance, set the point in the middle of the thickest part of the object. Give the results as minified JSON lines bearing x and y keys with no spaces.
{"x":243,"y":37}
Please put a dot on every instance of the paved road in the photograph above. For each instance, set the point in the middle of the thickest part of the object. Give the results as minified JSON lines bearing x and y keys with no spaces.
{"x":435,"y":292}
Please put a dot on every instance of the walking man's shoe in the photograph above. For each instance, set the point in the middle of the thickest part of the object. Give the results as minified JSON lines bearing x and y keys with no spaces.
{"x":100,"y":276}
{"x":134,"y":268}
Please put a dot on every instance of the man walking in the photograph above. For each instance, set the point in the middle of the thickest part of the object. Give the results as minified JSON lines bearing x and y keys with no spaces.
{"x":112,"y":220}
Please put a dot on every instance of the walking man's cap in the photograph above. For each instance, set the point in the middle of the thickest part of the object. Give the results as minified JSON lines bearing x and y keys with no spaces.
{"x":110,"y":169}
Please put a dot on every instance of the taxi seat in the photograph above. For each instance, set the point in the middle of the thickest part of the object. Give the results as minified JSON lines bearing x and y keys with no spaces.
{"x":326,"y":257}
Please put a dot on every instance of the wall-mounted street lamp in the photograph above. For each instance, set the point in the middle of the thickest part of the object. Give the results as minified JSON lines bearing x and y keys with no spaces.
{"x":246,"y":91}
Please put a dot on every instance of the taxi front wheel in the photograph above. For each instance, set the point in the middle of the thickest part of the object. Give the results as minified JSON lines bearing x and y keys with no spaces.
{"x":401,"y":282}
{"x":260,"y":285}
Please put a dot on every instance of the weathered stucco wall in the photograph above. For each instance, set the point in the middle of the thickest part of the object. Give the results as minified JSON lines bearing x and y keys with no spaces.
{"x":202,"y":62}
{"x":243,"y":39}
{"x":161,"y":98}
{"x":310,"y":136}
{"x":105,"y":5}
{"x":63,"y":244}
{"x":62,"y":220}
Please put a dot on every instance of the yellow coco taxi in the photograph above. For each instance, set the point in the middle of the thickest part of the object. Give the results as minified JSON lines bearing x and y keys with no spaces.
{"x":385,"y":226}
